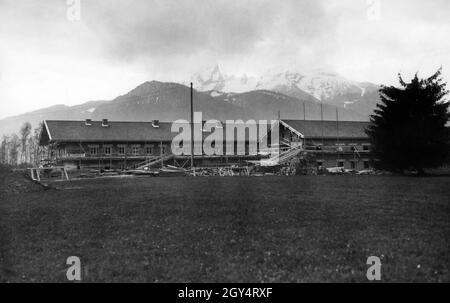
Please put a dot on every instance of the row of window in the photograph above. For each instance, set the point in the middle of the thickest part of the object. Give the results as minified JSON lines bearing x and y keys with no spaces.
{"x":353,"y":148}
{"x":353,"y":164}
{"x":135,"y":150}
{"x":150,"y":150}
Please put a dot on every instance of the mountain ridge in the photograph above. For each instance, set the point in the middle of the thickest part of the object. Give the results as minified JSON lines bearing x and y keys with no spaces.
{"x":319,"y":86}
{"x":169,"y":101}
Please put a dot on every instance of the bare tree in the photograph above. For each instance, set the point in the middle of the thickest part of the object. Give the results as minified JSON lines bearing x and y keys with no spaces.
{"x":14,"y":144}
{"x":24,"y":134}
{"x":31,"y":148}
{"x":4,"y":150}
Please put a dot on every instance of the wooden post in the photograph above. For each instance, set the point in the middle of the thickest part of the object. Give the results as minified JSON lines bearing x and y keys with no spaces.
{"x":337,"y":122}
{"x":304,"y":112}
{"x":161,"y":153}
{"x":79,"y":155}
{"x":337,"y":132}
{"x":321,"y":122}
{"x":126,"y":153}
{"x":65,"y":172}
{"x":192,"y":129}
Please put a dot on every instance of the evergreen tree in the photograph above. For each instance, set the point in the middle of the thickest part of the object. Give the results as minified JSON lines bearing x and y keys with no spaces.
{"x":408,"y":129}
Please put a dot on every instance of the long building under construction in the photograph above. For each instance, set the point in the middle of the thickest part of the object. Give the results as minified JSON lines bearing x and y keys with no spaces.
{"x":129,"y":145}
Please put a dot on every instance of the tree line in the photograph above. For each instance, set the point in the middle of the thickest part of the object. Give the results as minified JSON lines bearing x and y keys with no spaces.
{"x":22,"y":148}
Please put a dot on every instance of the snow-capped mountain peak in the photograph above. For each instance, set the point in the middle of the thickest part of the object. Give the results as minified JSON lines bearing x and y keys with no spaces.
{"x":324,"y":86}
{"x":212,"y":79}
{"x":209,"y":79}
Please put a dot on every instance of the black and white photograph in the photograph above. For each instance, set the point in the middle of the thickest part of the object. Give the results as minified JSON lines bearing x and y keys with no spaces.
{"x":242,"y":143}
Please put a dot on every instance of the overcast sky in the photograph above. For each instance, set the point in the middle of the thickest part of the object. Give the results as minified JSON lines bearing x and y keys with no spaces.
{"x":47,"y":58}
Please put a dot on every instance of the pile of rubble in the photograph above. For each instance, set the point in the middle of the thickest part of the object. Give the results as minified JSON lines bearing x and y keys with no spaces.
{"x":221,"y":171}
{"x":16,"y":181}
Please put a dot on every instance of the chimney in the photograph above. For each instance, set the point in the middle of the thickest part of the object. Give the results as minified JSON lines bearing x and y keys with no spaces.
{"x":105,"y":123}
{"x":155,"y":123}
{"x":88,"y":122}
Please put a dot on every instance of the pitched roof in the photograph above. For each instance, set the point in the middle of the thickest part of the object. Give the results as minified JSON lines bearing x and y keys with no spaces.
{"x":331,"y":129}
{"x":119,"y":131}
{"x":75,"y":131}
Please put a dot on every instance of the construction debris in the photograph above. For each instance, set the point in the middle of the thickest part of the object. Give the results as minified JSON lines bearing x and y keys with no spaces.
{"x":224,"y":171}
{"x":172,"y":171}
{"x":15,"y":181}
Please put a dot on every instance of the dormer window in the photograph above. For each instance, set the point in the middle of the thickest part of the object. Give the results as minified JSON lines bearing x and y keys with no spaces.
{"x":105,"y":123}
{"x":88,"y":122}
{"x":155,"y":123}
